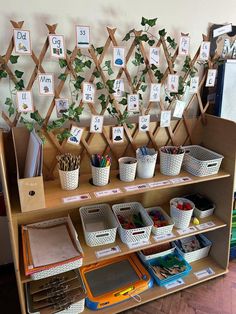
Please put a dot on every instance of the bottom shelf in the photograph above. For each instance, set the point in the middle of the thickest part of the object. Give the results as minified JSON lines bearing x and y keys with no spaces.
{"x":158,"y":292}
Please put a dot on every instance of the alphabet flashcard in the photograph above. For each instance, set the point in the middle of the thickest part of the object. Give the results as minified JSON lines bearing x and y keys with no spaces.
{"x":118,"y":134}
{"x":204,"y":51}
{"x":82,"y":36}
{"x":119,"y":88}
{"x":155,"y":92}
{"x":88,"y":92}
{"x":173,"y":83}
{"x":184,"y":44}
{"x":133,"y":102}
{"x":57,"y":46}
{"x":165,"y":118}
{"x":96,"y":124}
{"x":154,"y":56}
{"x":62,"y":106}
{"x":119,"y":57}
{"x":22,"y":42}
{"x":144,"y":122}
{"x":24,"y":101}
{"x":76,"y":134}
{"x":46,"y":84}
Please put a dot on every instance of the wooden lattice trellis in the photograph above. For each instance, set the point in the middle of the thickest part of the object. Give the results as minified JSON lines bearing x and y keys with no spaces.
{"x":91,"y":142}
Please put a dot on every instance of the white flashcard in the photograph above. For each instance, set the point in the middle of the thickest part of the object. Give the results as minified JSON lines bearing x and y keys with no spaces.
{"x":118,"y":134}
{"x":24,"y":101}
{"x":165,"y":118}
{"x":173,"y":83}
{"x":179,"y":109}
{"x":211,"y":78}
{"x":57,"y":46}
{"x":204,"y":51}
{"x":155,"y":92}
{"x":119,"y":57}
{"x":133,"y":103}
{"x":22,"y":42}
{"x":222,"y":30}
{"x":144,"y":122}
{"x":194,"y":83}
{"x":62,"y":106}
{"x":154,"y":56}
{"x":96,"y":124}
{"x":82,"y":36}
{"x":88,"y":92}
{"x":119,"y":88}
{"x":184,"y":44}
{"x":76,"y":134}
{"x":46,"y":84}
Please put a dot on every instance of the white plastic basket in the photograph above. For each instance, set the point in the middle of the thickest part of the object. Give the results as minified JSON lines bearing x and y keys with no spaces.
{"x":145,"y":258}
{"x":165,"y":229}
{"x":180,"y":217}
{"x":98,"y":216}
{"x":198,"y":254}
{"x":100,"y":175}
{"x":170,"y":164}
{"x":69,"y":179}
{"x":146,"y":163}
{"x":203,"y":213}
{"x":67,"y":266}
{"x":137,"y":234}
{"x":201,"y":161}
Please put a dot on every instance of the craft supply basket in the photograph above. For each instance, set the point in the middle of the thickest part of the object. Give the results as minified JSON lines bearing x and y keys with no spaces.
{"x":198,"y":254}
{"x":95,"y":214}
{"x":170,"y":164}
{"x":201,"y":212}
{"x":146,"y":258}
{"x":69,"y":179}
{"x":137,"y":234}
{"x":146,"y":163}
{"x":180,"y":217}
{"x":201,"y":161}
{"x":100,"y":175}
{"x":165,"y":229}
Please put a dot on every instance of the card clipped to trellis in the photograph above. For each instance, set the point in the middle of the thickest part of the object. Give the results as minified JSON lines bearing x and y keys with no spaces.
{"x":173,"y":83}
{"x":119,"y":57}
{"x":62,"y":106}
{"x":144,"y":123}
{"x":96,"y":124}
{"x":88,"y":92}
{"x":165,"y":118}
{"x":154,"y":56}
{"x":179,"y":109}
{"x":76,"y":134}
{"x":155,"y":92}
{"x":82,"y":36}
{"x":57,"y":46}
{"x":211,"y":78}
{"x":46,"y":84}
{"x":24,"y":101}
{"x":118,"y":134}
{"x":204,"y":51}
{"x":22,"y":42}
{"x":184,"y":44}
{"x":194,"y":83}
{"x":119,"y":88}
{"x":133,"y":102}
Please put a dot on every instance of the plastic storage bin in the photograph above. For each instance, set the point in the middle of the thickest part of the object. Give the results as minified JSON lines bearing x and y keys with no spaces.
{"x":165,"y":229}
{"x":145,"y":257}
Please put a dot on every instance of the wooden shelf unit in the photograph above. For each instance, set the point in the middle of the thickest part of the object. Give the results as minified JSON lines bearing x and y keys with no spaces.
{"x":217,"y":187}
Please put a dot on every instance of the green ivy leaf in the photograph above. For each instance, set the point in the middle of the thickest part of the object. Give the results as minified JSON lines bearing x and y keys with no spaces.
{"x":143,"y":88}
{"x":36,"y":116}
{"x":62,"y":63}
{"x":108,"y":63}
{"x":152,"y":22}
{"x":123,"y":101}
{"x":99,"y":85}
{"x":11,"y":111}
{"x":64,"y":135}
{"x":19,"y":85}
{"x":99,"y":50}
{"x":96,"y":74}
{"x":151,"y":42}
{"x":88,"y":64}
{"x":159,"y":75}
{"x":28,"y":125}
{"x":144,"y":37}
{"x":8,"y":101}
{"x":171,"y":42}
{"x":110,"y":71}
{"x":130,"y":126}
{"x":18,"y":73}
{"x":153,"y":67}
{"x":62,"y":76}
{"x":162,"y":32}
{"x":78,"y":82}
{"x":69,"y":52}
{"x":144,"y":21}
{"x":110,"y":84}
{"x":13,"y":59}
{"x":3,"y":74}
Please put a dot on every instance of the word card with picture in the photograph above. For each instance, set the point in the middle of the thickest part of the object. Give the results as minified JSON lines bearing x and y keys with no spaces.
{"x":155,"y":92}
{"x":76,"y":134}
{"x":22,"y":42}
{"x":96,"y":124}
{"x":194,"y":83}
{"x":165,"y":118}
{"x":133,"y":102}
{"x":46,"y":84}
{"x":204,"y":51}
{"x":184,"y":44}
{"x":118,"y":134}
{"x":24,"y":101}
{"x":144,"y":123}
{"x":154,"y":56}
{"x":57,"y":46}
{"x":119,"y":57}
{"x":119,"y":88}
{"x":173,"y":83}
{"x":179,"y":109}
{"x":82,"y":36}
{"x":62,"y":106}
{"x":211,"y":78}
{"x":88,"y":92}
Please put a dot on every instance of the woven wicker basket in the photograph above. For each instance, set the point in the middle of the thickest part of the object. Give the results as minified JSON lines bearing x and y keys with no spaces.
{"x":170,"y":164}
{"x":165,"y":229}
{"x":180,"y":217}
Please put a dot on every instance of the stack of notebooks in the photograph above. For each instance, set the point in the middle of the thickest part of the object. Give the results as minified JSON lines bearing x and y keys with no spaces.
{"x":55,"y":294}
{"x":50,"y":244}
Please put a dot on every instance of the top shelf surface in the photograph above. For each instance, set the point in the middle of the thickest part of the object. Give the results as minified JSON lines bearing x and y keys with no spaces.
{"x":56,"y":198}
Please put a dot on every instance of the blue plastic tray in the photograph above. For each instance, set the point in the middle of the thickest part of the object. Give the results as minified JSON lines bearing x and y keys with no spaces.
{"x":157,"y":260}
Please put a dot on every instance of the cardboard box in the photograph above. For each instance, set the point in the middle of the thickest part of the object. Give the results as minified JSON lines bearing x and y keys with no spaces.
{"x":31,"y":190}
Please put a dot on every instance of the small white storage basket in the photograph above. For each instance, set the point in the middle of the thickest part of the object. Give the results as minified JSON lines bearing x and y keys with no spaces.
{"x":180,"y":217}
{"x":165,"y":229}
{"x":96,"y":215}
{"x":198,"y":254}
{"x":203,"y":213}
{"x":170,"y":164}
{"x":137,"y":234}
{"x":145,"y":258}
{"x":67,"y":266}
{"x":201,"y":161}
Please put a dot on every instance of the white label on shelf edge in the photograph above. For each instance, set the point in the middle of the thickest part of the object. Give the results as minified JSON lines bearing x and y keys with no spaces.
{"x":163,"y":236}
{"x":174,"y":284}
{"x":132,"y":245}
{"x":76,"y":198}
{"x":158,"y":183}
{"x":186,"y":231}
{"x":206,"y":225}
{"x":136,"y":187}
{"x":107,"y":192}
{"x":180,"y":180}
{"x":204,"y":273}
{"x":109,"y":251}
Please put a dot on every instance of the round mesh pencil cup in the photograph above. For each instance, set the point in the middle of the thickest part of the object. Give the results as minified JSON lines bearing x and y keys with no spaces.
{"x":146,"y":162}
{"x":100,"y":169}
{"x":171,"y":159}
{"x":68,"y":167}
{"x":127,"y":168}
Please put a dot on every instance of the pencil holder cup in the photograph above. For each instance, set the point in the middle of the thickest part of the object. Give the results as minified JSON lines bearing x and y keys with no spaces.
{"x":146,"y":163}
{"x":127,"y":168}
{"x":69,"y":179}
{"x":100,"y":175}
{"x":170,"y":164}
{"x":181,"y":217}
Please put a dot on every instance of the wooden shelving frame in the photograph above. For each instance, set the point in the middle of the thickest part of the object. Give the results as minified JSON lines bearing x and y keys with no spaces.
{"x":216,"y":134}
